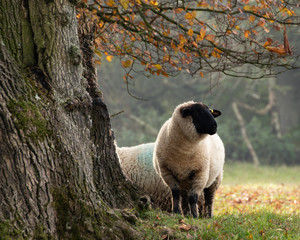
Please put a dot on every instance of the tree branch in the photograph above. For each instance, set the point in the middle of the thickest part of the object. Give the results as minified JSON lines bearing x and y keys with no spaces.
{"x":244,"y":133}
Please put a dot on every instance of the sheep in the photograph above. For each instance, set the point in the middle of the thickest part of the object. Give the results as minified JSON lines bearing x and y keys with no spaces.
{"x":189,"y":157}
{"x":136,"y":164}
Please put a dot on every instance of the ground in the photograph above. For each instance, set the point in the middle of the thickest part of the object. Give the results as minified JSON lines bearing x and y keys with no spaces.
{"x":252,"y":203}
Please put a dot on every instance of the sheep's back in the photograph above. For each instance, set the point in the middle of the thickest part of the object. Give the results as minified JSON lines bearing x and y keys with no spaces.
{"x":136,"y":163}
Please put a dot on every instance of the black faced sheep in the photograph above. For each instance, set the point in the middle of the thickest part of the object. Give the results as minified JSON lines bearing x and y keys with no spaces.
{"x":189,"y":156}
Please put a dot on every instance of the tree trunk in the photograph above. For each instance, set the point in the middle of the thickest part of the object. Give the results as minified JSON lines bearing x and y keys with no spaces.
{"x":288,"y":100}
{"x":59,"y":173}
{"x":244,"y":133}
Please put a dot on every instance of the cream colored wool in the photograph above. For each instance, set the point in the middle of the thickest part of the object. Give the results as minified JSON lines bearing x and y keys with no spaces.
{"x":136,"y":164}
{"x":180,"y":150}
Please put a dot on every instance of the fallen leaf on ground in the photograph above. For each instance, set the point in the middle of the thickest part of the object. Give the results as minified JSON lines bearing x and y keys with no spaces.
{"x":185,"y":227}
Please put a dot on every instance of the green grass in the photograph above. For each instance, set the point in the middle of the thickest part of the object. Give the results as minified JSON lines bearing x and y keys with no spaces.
{"x":259,"y":225}
{"x":245,"y":173}
{"x":252,"y":203}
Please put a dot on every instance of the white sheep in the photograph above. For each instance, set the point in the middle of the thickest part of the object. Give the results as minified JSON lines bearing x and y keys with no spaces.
{"x":136,"y":163}
{"x":189,"y":156}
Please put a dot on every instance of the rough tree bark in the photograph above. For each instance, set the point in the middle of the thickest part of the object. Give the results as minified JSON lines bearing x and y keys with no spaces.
{"x":59,"y":173}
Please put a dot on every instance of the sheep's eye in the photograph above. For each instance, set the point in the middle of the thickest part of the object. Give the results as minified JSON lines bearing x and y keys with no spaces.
{"x":185,"y":112}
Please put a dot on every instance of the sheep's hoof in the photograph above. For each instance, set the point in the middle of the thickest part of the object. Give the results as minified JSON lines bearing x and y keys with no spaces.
{"x":176,"y":211}
{"x":145,"y":203}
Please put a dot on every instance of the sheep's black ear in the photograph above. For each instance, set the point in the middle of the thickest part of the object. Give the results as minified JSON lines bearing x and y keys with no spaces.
{"x":185,"y":112}
{"x":215,"y":113}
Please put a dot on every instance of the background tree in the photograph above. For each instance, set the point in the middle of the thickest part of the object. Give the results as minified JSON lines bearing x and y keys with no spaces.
{"x":59,"y":171}
{"x":246,"y":29}
{"x":272,"y":144}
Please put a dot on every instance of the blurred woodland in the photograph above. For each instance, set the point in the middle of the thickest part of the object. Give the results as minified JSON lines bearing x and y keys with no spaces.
{"x":269,"y":109}
{"x":260,"y":121}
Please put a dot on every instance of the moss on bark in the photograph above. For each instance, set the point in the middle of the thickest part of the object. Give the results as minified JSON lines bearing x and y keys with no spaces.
{"x":8,"y":230}
{"x":76,"y":219}
{"x":28,"y":118}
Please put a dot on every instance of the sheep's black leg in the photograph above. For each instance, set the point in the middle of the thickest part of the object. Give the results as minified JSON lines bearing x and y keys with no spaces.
{"x":193,"y":200}
{"x":209,"y":195}
{"x":185,"y":203}
{"x":176,"y":200}
{"x":201,"y":204}
{"x":209,"y":201}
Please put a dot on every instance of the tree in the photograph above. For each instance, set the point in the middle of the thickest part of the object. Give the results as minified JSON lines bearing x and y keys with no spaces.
{"x":288,"y":100}
{"x":196,"y":36}
{"x":59,"y":171}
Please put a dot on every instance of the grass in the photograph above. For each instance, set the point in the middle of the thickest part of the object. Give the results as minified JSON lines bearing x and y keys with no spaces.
{"x":245,"y":173}
{"x":252,"y":203}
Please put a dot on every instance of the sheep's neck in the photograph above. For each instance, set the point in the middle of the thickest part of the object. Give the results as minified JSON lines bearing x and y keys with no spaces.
{"x":178,"y":139}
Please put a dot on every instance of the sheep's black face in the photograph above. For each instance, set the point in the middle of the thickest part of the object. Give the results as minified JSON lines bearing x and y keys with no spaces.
{"x":203,"y":118}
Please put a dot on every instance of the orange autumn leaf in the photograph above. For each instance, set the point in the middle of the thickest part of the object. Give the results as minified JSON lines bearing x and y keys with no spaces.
{"x":261,"y":22}
{"x":268,"y":42}
{"x":247,"y":33}
{"x":190,"y":15}
{"x":111,"y":3}
{"x":109,"y":58}
{"x":201,"y":36}
{"x":248,"y":8}
{"x":164,"y":74}
{"x":215,"y":54}
{"x":127,"y":63}
{"x":251,"y":18}
{"x":202,"y":4}
{"x":279,"y":50}
{"x":158,"y":67}
{"x":179,"y":10}
{"x":190,"y":32}
{"x":210,"y":37}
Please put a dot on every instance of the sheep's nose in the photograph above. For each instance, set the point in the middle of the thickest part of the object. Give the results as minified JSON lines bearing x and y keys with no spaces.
{"x":213,"y":129}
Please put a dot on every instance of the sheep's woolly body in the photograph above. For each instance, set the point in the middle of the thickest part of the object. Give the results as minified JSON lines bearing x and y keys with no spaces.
{"x":136,"y":163}
{"x":186,"y":158}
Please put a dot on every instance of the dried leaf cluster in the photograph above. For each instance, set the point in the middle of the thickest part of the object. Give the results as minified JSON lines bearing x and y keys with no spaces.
{"x":196,"y":36}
